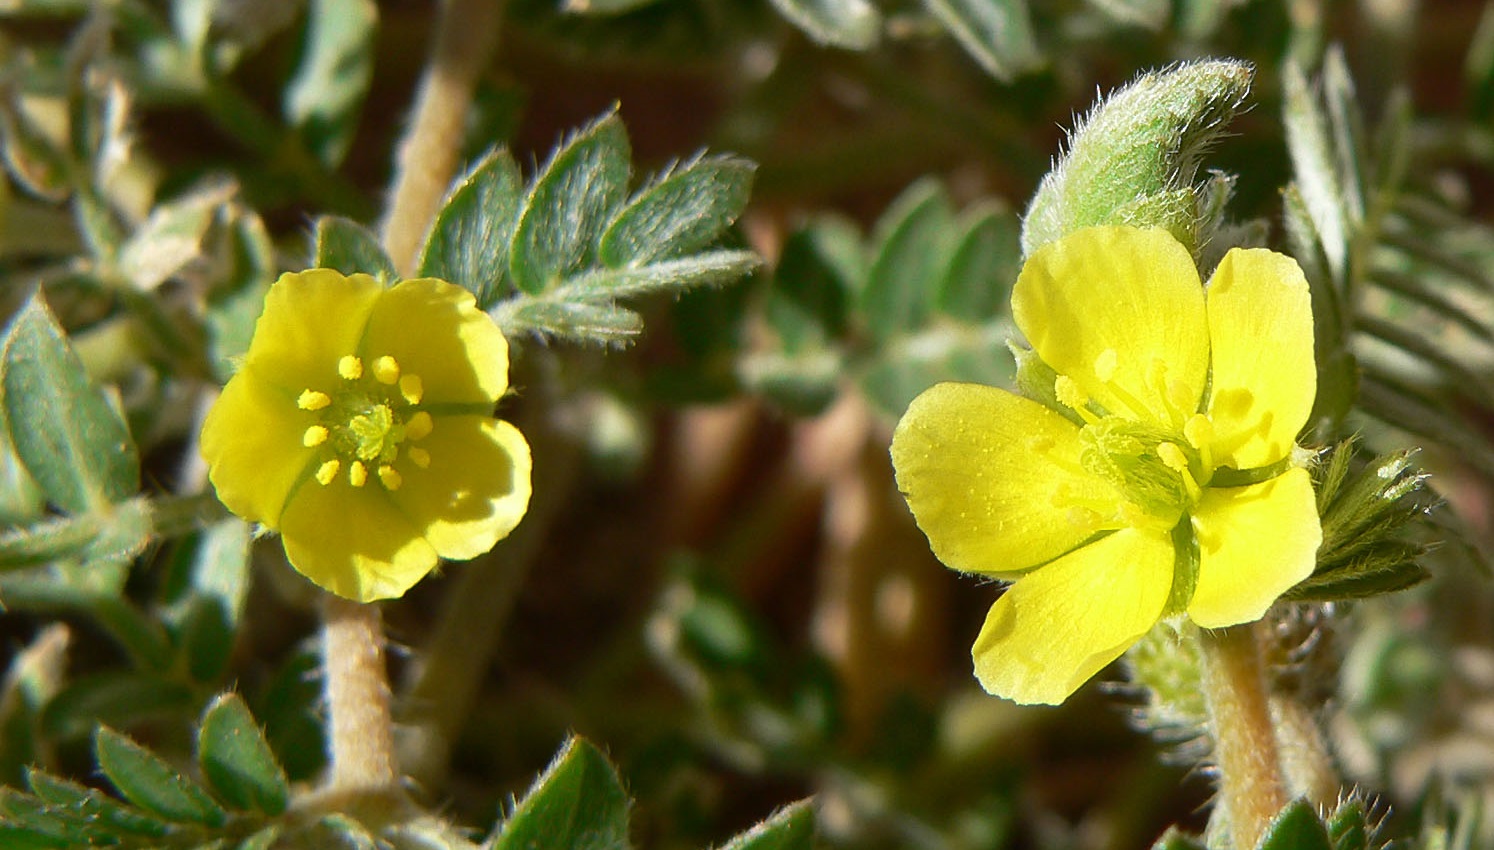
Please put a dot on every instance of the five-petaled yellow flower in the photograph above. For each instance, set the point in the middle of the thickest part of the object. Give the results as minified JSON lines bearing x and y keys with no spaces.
{"x":360,"y":426}
{"x":1161,"y":483}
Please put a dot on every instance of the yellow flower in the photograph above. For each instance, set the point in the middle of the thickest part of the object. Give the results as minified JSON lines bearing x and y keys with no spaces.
{"x":360,"y":426}
{"x":1161,"y":484}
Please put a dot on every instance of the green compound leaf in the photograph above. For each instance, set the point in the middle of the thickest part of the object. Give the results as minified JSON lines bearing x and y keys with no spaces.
{"x":19,"y":838}
{"x":1295,"y":827}
{"x":790,"y":828}
{"x":351,"y":248}
{"x":681,"y":211}
{"x":569,"y":204}
{"x":578,"y":803}
{"x":469,"y":241}
{"x":109,"y":816}
{"x":69,"y":438}
{"x":707,"y":269}
{"x":323,"y":96}
{"x":996,"y":33}
{"x":31,"y":814}
{"x":64,"y":537}
{"x":237,"y":760}
{"x":911,"y":240}
{"x":146,"y":780}
{"x":606,"y":323}
{"x":852,"y":24}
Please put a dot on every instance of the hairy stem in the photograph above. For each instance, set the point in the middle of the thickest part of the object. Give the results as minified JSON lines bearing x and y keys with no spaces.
{"x":361,"y":730}
{"x":1251,"y":789}
{"x":427,"y":157}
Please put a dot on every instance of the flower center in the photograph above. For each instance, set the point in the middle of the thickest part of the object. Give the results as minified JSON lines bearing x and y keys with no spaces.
{"x":363,"y":424}
{"x":1151,"y":467}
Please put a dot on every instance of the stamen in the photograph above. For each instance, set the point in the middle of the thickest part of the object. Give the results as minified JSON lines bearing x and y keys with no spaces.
{"x":420,"y":457}
{"x":314,"y":436}
{"x":1071,"y":396}
{"x":357,"y":474}
{"x":1137,"y":410}
{"x":350,"y":368}
{"x":313,"y":400}
{"x":327,"y":471}
{"x":386,"y":371}
{"x":1178,"y":462}
{"x":419,"y":426}
{"x":412,"y":388}
{"x":1200,"y":433}
{"x":390,"y":478}
{"x":1179,"y":398}
{"x":1105,"y":365}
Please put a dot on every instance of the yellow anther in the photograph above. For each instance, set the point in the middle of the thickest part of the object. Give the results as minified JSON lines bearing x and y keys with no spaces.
{"x":1178,"y":462}
{"x":1069,"y":393}
{"x":327,"y":471}
{"x":357,"y":473}
{"x":412,"y":388}
{"x":314,"y":436}
{"x":1105,"y":365}
{"x":313,"y":400}
{"x":420,"y":457}
{"x":390,"y":478}
{"x":1173,"y":457}
{"x":350,"y":367}
{"x":386,"y":371}
{"x":1071,"y":396}
{"x":1199,"y":431}
{"x":1180,"y":396}
{"x":420,"y":426}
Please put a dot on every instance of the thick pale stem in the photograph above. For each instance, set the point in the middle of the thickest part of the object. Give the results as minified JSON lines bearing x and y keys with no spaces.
{"x":360,"y":733}
{"x":427,"y":158}
{"x":1251,"y":790}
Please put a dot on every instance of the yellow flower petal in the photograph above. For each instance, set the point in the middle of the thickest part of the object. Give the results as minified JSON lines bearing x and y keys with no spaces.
{"x":252,"y":441}
{"x":434,"y":331}
{"x":1119,"y":310}
{"x":312,"y":319}
{"x":994,"y":479}
{"x":474,"y":489}
{"x":1260,"y":324}
{"x":1060,"y":625}
{"x":354,"y":542}
{"x":1255,"y":543}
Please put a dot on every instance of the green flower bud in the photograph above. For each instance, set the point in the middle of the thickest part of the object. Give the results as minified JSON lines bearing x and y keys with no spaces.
{"x":1134,"y":160}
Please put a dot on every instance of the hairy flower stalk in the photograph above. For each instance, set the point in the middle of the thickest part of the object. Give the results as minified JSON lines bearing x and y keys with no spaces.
{"x":1246,"y":750}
